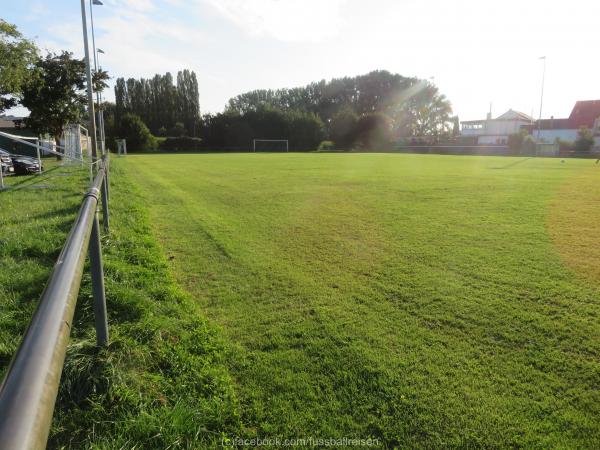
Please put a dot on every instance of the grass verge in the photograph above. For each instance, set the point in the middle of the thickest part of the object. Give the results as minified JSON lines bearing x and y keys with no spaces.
{"x":162,"y":382}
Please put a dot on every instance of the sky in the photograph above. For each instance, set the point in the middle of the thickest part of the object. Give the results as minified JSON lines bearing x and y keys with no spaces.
{"x":478,"y":52}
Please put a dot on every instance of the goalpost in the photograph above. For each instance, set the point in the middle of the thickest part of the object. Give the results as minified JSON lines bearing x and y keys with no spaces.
{"x":76,"y":141}
{"x":255,"y":141}
{"x":121,"y":147}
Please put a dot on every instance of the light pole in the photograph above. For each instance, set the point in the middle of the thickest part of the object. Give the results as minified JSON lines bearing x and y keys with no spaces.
{"x":100,"y":122}
{"x":90,"y":90}
{"x":100,"y":109}
{"x":541,"y":99}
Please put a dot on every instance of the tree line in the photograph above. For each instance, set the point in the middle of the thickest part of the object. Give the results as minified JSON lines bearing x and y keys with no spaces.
{"x":360,"y":111}
{"x":166,"y":108}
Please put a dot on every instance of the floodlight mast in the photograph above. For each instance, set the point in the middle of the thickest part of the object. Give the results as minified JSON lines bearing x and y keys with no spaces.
{"x":539,"y":130}
{"x":96,"y":65}
{"x":100,"y":109}
{"x":90,"y":90}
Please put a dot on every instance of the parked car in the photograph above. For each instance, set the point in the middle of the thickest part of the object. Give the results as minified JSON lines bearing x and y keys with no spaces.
{"x":25,"y":165}
{"x":6,"y":164}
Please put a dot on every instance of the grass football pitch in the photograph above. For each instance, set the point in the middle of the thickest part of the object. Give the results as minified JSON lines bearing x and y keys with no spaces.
{"x":421,"y":300}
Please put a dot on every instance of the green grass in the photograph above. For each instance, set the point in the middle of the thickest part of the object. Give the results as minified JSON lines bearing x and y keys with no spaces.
{"x":162,"y":382}
{"x":420,"y":300}
{"x":425,"y":301}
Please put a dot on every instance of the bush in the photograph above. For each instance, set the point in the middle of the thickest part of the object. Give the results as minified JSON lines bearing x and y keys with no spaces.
{"x":584,"y":141}
{"x":325,"y":146}
{"x":182,"y":144}
{"x":136,"y":133}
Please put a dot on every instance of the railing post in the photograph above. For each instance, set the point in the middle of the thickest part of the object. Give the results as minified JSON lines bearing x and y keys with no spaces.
{"x":105,"y":214}
{"x":37,"y":149}
{"x":107,"y":176}
{"x":100,"y":315}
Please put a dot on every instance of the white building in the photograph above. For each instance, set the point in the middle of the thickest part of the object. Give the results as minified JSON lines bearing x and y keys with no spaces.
{"x":496,"y":131}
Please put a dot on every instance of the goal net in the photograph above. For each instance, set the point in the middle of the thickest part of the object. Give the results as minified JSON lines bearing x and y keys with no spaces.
{"x":76,"y":142}
{"x":270,"y":145}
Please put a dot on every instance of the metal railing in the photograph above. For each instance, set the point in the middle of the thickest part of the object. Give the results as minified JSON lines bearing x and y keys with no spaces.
{"x":30,"y":387}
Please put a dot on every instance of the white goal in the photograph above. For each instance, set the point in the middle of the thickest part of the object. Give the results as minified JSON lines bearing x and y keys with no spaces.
{"x":76,"y":142}
{"x":121,"y":147}
{"x":270,"y":145}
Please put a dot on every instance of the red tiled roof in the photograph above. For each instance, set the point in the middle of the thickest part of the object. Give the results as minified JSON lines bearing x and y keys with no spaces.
{"x":584,"y":114}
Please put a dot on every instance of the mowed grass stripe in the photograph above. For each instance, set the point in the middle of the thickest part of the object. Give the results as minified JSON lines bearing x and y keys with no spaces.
{"x":573,"y":223}
{"x":417,"y":299}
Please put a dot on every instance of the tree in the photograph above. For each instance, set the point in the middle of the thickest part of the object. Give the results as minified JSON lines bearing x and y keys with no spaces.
{"x":424,"y":112}
{"x":159,"y":102}
{"x":54,"y":92}
{"x":17,"y":55}
{"x":232,"y":130}
{"x":415,"y":107}
{"x":455,"y":126}
{"x":342,"y":128}
{"x":377,"y":91}
{"x":305,"y":130}
{"x":373,"y":131}
{"x":137,"y":134}
{"x":188,"y":100}
{"x":585,"y":140}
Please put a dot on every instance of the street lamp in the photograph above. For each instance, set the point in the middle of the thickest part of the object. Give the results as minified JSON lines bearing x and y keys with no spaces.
{"x":100,"y":115}
{"x":90,"y":89}
{"x":541,"y":99}
{"x":100,"y":109}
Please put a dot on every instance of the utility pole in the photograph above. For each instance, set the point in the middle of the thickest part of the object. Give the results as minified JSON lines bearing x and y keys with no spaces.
{"x":101,"y":110}
{"x":541,"y":100}
{"x":90,"y":90}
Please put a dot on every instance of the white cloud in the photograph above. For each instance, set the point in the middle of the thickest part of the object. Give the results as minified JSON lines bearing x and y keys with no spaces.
{"x":285,"y":20}
{"x":137,"y":42}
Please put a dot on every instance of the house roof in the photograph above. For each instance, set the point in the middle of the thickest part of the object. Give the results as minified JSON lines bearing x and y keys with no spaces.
{"x":8,"y":121}
{"x":584,"y":114}
{"x":515,"y":115}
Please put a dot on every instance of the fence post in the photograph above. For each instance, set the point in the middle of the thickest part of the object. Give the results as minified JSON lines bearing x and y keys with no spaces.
{"x":97,"y":272}
{"x":107,"y":176}
{"x":37,"y":149}
{"x":104,"y":188}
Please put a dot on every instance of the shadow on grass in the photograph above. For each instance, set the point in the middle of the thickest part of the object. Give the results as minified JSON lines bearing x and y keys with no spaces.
{"x":30,"y":181}
{"x":512,"y":164}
